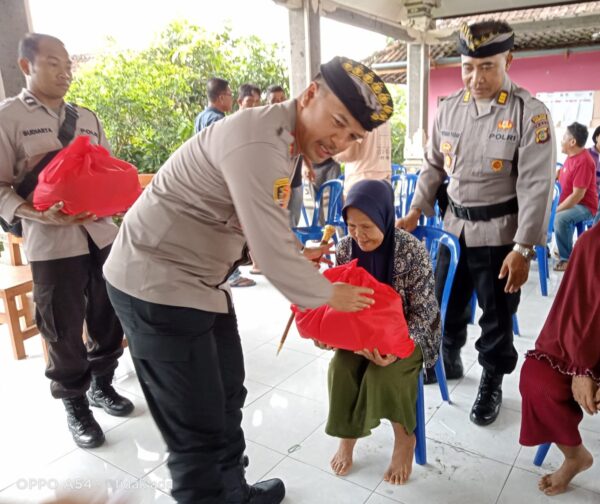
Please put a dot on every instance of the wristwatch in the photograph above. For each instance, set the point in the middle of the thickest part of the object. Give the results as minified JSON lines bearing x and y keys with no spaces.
{"x":526,"y":252}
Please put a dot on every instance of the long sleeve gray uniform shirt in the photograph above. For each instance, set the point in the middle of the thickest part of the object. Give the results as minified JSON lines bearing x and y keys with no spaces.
{"x":28,"y":131}
{"x":478,"y":153}
{"x":180,"y":240}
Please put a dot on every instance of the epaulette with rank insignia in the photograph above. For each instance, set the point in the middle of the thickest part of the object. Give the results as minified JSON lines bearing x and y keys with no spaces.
{"x":502,"y":97}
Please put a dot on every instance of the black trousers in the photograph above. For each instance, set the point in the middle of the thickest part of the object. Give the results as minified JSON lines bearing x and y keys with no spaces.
{"x":190,"y":365}
{"x":68,"y":293}
{"x":478,"y":269}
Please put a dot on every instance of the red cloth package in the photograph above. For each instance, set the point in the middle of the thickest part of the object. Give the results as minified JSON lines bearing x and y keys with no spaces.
{"x":87,"y":179}
{"x":382,"y":326}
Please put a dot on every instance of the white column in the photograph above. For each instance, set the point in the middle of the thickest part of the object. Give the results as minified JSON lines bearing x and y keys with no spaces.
{"x":14,"y":23}
{"x":417,"y":78}
{"x":305,"y":44}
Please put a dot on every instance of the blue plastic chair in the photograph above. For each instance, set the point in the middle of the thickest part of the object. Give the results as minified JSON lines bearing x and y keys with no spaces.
{"x":421,"y":445}
{"x":542,"y":252}
{"x":396,"y":179}
{"x":303,"y":208}
{"x":397,"y":169}
{"x":541,"y":453}
{"x":334,"y":212}
{"x":404,"y":185}
{"x":584,"y":226}
{"x":411,"y":185}
{"x":434,"y":237}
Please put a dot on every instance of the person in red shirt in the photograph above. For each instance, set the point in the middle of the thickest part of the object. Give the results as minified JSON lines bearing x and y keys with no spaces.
{"x":579,"y":199}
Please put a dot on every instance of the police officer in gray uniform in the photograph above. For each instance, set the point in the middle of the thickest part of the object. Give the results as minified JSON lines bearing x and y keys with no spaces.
{"x":66,"y":253}
{"x":495,"y":142}
{"x":180,"y":241}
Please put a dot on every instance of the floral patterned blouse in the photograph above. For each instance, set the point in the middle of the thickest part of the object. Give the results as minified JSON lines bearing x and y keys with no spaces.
{"x":413,"y":280}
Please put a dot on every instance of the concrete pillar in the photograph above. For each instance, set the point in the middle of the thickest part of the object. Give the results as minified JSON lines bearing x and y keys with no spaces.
{"x":417,"y":78}
{"x":305,"y":44}
{"x":14,"y":23}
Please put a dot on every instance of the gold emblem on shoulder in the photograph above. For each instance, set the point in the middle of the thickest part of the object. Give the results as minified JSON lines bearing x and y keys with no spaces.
{"x":466,"y":96}
{"x":502,"y":97}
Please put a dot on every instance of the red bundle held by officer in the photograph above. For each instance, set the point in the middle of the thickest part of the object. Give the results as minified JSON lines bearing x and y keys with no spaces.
{"x":381,"y":326}
{"x":87,"y":179}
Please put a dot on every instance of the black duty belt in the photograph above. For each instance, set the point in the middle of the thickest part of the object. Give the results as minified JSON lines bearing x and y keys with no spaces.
{"x":484,"y":213}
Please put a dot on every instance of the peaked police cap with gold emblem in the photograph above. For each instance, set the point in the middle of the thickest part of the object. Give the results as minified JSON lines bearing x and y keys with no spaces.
{"x":361,"y":91}
{"x":488,"y":44}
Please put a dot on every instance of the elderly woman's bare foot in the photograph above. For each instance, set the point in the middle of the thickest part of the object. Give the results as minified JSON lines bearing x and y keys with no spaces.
{"x":577,"y":460}
{"x":402,"y":458}
{"x":342,"y":460}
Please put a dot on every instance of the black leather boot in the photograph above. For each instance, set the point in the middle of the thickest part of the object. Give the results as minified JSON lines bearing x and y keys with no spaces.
{"x":103,"y":395}
{"x":237,"y":491}
{"x":489,"y":399}
{"x":452,"y":364}
{"x":83,"y":426}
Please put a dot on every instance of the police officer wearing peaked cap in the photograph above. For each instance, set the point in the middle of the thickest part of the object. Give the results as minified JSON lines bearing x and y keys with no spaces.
{"x":179,"y":243}
{"x":495,"y":143}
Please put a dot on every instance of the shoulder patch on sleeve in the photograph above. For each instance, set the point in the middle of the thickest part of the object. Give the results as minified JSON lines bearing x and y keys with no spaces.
{"x":281,"y":192}
{"x":542,"y":134}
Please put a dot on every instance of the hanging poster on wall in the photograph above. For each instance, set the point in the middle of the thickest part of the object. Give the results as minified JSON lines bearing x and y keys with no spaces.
{"x":569,"y":107}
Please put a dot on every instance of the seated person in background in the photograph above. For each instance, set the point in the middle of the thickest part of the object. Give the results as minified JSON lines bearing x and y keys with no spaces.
{"x":594,"y":151}
{"x":364,"y":386}
{"x":369,"y":159}
{"x":579,"y":197}
{"x":561,"y":376}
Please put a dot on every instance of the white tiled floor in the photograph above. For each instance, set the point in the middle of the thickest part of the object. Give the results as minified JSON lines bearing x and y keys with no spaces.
{"x":284,"y":422}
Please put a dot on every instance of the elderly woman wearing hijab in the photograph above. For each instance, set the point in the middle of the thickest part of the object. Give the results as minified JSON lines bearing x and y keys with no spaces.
{"x":364,"y":386}
{"x":562,"y":375}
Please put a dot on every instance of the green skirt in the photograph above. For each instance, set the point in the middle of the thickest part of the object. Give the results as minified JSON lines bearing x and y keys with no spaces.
{"x":362,"y":393}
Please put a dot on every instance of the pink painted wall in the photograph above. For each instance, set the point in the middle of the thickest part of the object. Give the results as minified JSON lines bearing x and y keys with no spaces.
{"x":578,"y":72}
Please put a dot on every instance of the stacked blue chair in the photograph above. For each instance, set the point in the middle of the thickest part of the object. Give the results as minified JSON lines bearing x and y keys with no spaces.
{"x":397,"y":169}
{"x":303,"y":207}
{"x":433,"y":237}
{"x":542,"y":252}
{"x":404,"y":185}
{"x":396,"y":179}
{"x":411,"y":185}
{"x":334,"y":212}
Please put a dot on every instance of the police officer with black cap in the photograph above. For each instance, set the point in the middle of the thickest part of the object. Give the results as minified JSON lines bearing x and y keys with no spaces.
{"x":168,"y":269}
{"x":495,"y":143}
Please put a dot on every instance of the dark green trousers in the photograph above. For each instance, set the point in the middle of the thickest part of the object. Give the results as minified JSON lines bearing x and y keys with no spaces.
{"x":362,"y":393}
